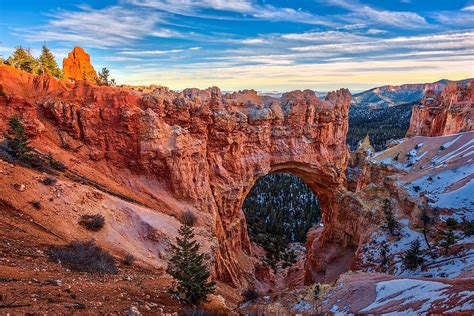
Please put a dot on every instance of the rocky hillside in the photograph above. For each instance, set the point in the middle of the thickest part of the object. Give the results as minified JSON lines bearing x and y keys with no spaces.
{"x":137,"y":159}
{"x":380,"y":124}
{"x":387,"y":96}
{"x":444,"y":113}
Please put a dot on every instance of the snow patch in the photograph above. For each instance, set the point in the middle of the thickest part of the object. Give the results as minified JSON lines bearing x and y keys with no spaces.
{"x":408,"y":295}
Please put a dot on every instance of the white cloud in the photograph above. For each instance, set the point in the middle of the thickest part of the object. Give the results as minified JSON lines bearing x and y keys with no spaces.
{"x":121,"y":58}
{"x":468,"y":8}
{"x":245,"y":7}
{"x":452,"y":40}
{"x":151,"y":52}
{"x":324,"y":37}
{"x":157,"y":52}
{"x":107,"y":27}
{"x":362,"y":13}
{"x":254,"y":41}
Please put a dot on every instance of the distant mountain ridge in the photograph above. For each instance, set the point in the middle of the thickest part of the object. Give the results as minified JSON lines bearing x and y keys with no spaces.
{"x":388,"y":96}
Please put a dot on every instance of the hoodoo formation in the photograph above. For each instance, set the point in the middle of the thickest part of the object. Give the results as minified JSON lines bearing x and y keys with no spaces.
{"x":77,"y":66}
{"x":444,"y":113}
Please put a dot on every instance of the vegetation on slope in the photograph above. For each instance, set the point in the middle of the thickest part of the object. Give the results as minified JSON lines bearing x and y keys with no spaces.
{"x":380,"y":124}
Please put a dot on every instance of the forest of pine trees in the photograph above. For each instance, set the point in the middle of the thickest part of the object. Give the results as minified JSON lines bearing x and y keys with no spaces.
{"x":280,"y":209}
{"x":380,"y":124}
{"x":23,"y":59}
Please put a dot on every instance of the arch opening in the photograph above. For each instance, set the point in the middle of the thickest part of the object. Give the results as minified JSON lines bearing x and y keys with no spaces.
{"x":280,"y":209}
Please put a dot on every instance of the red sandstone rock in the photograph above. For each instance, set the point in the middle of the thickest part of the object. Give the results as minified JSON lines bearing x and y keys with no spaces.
{"x":446,"y":113}
{"x":77,"y":66}
{"x":206,"y":150}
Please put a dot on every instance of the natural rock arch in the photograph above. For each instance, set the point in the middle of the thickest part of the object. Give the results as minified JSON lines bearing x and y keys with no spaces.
{"x":206,"y":148}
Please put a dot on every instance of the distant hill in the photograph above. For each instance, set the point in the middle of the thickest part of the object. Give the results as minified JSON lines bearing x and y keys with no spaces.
{"x":380,"y":124}
{"x":388,"y":96}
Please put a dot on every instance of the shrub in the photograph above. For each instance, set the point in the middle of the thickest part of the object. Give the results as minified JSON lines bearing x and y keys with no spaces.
{"x":128,"y":259}
{"x":93,"y":222}
{"x":36,"y":204}
{"x":451,"y":223}
{"x":83,"y":256}
{"x":468,"y":228}
{"x":442,"y":147}
{"x":188,"y":218}
{"x":55,"y":164}
{"x":18,"y":141}
{"x":250,"y":294}
{"x":49,"y":181}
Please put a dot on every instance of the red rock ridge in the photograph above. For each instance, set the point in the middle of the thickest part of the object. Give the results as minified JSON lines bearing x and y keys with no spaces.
{"x":77,"y":66}
{"x":445,"y":113}
{"x":207,"y":149}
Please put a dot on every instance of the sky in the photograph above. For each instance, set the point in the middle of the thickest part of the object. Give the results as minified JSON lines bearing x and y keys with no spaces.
{"x":266,"y":45}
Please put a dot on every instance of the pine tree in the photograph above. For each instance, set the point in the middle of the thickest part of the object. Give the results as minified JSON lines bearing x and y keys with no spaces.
{"x":425,"y":218}
{"x":188,"y":268}
{"x":104,"y":75}
{"x":448,"y":239}
{"x":384,"y":256}
{"x":47,"y":63}
{"x":18,"y":140}
{"x":22,"y":59}
{"x":413,"y":257}
{"x":390,"y":221}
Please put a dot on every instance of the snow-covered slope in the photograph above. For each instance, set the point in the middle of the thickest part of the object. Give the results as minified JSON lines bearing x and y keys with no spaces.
{"x":439,"y":169}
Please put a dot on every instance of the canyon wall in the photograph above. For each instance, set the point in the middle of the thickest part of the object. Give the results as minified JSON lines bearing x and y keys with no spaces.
{"x":445,"y":113}
{"x":206,"y":149}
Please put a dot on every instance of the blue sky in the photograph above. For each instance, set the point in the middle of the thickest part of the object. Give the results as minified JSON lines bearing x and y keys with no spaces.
{"x":262,"y":44}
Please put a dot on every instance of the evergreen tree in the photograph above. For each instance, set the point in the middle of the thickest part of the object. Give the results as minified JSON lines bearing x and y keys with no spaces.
{"x":188,"y":268}
{"x":390,"y":221}
{"x":426,"y":219}
{"x":384,"y":256}
{"x":468,"y":228}
{"x":104,"y":75}
{"x":22,"y":59}
{"x":413,"y":257}
{"x":47,"y":63}
{"x":448,"y":239}
{"x":18,"y":140}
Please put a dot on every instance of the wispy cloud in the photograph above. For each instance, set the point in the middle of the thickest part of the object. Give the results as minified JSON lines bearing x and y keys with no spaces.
{"x":362,"y":13}
{"x":248,"y":8}
{"x":107,"y":27}
{"x":157,"y":52}
{"x":468,"y":8}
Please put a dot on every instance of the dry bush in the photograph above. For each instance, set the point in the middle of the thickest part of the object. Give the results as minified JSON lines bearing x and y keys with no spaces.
{"x":128,"y":259}
{"x":83,"y":256}
{"x":188,"y":218}
{"x":93,"y":222}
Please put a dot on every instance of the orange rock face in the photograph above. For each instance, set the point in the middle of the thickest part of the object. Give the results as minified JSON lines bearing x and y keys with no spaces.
{"x":446,"y":113}
{"x":77,"y":66}
{"x":206,"y":150}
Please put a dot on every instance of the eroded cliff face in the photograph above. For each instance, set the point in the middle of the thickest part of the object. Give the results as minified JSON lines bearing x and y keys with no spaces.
{"x":77,"y":66}
{"x":445,"y":113}
{"x":204,"y":149}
